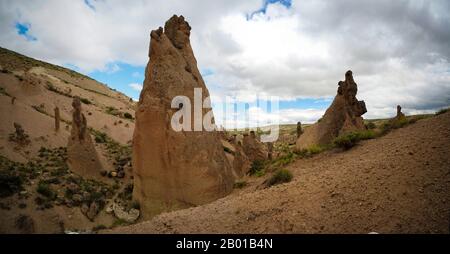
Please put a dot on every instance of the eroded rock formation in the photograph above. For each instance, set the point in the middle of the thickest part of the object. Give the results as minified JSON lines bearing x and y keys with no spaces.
{"x":57,"y":119}
{"x":81,"y":154}
{"x":343,"y":116}
{"x":19,"y":136}
{"x":253,"y":148}
{"x":400,"y":116}
{"x":299,"y":129}
{"x":174,"y":169}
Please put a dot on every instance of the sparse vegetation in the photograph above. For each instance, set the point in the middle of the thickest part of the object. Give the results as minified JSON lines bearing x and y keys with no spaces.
{"x":85,"y":101}
{"x":45,"y":190}
{"x":280,"y":176}
{"x":127,"y":115}
{"x":119,"y":222}
{"x":227,"y":150}
{"x":257,"y":168}
{"x":240,"y":184}
{"x":115,"y":112}
{"x":349,"y":140}
{"x":10,"y":182}
{"x":312,"y":150}
{"x":40,"y":109}
{"x":100,"y":137}
{"x":442,"y":111}
{"x":112,"y":111}
{"x":3,"y":91}
{"x":371,"y":126}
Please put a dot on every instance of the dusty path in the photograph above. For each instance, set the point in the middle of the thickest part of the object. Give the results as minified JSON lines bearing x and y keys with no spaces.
{"x":399,"y":183}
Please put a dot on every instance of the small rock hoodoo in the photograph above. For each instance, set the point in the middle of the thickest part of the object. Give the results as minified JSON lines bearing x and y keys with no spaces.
{"x":81,"y":154}
{"x":174,"y":169}
{"x":343,"y":116}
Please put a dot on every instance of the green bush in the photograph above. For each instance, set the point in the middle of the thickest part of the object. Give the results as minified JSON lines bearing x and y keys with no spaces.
{"x":371,"y":126}
{"x":112,"y":111}
{"x":45,"y":190}
{"x":257,"y":168}
{"x":240,"y":184}
{"x":312,"y":150}
{"x":281,"y":176}
{"x":228,"y":150}
{"x":127,"y":115}
{"x":349,"y":140}
{"x":100,"y":137}
{"x":9,"y":184}
{"x":85,"y":101}
{"x":442,"y":111}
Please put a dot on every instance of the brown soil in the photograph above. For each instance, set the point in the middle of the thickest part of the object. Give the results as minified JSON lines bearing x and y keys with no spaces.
{"x":398,"y":183}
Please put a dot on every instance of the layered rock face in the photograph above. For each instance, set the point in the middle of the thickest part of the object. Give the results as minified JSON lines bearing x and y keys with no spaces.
{"x":174,"y":169}
{"x":82,"y":157}
{"x":236,"y":156}
{"x":343,"y":116}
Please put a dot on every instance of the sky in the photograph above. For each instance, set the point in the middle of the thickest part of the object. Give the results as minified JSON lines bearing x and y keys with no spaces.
{"x":296,"y":50}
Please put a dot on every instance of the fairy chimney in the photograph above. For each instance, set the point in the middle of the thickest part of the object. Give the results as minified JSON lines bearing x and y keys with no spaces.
{"x":343,"y":116}
{"x":81,"y":154}
{"x":174,"y":169}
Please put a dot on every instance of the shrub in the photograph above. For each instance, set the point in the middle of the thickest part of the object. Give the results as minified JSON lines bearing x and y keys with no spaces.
{"x":100,"y":137}
{"x":442,"y":111}
{"x":9,"y":184}
{"x":99,"y":227}
{"x":25,"y":223}
{"x":112,"y":111}
{"x":281,"y":176}
{"x":45,"y":190}
{"x":257,"y":168}
{"x":349,"y":140}
{"x":240,"y":184}
{"x":371,"y":126}
{"x":85,"y":101}
{"x":228,"y":150}
{"x":312,"y":150}
{"x":3,"y":91}
{"x":119,"y":222}
{"x":127,"y":115}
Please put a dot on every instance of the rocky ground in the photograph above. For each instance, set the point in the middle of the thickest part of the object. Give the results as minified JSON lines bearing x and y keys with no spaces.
{"x":397,"y":183}
{"x":38,"y":191}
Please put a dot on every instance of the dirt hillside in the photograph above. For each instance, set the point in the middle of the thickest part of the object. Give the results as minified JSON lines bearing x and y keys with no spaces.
{"x":38,"y":192}
{"x":398,"y":183}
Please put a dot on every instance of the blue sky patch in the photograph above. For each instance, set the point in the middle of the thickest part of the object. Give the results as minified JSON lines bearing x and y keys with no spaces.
{"x":89,"y":4}
{"x":126,"y":78}
{"x":266,"y":3}
{"x":23,"y":30}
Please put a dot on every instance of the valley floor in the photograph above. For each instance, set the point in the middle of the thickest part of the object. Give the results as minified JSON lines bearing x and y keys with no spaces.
{"x":398,"y":183}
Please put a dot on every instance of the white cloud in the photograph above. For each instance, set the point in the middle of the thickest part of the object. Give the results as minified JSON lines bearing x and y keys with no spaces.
{"x":136,"y":86}
{"x":136,"y":74}
{"x":398,"y":50}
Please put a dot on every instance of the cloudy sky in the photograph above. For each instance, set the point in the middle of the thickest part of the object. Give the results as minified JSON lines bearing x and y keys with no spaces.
{"x":298,"y":50}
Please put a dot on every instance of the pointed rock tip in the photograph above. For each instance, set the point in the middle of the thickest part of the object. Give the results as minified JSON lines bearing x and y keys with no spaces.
{"x":178,"y":31}
{"x":349,"y":74}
